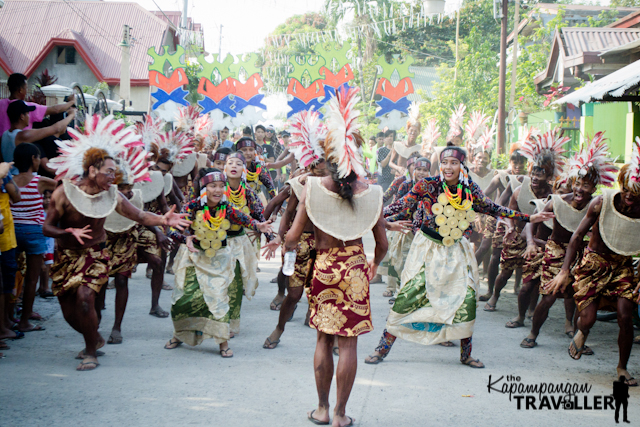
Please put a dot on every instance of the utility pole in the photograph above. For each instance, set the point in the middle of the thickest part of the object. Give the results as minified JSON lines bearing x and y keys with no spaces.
{"x":455,"y":73}
{"x":125,"y":71}
{"x":185,"y":7}
{"x":220,"y":44}
{"x":502,"y":82}
{"x":514,"y":56}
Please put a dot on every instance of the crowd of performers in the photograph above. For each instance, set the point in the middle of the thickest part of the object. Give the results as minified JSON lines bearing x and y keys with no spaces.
{"x":145,"y":194}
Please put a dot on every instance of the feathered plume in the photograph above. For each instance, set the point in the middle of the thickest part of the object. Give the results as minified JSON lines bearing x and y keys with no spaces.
{"x":456,"y":122}
{"x":414,"y":115}
{"x":475,"y":126}
{"x":430,"y":136}
{"x":545,"y":151}
{"x":306,"y":133}
{"x":174,"y":146}
{"x":343,"y":144}
{"x":107,"y":134}
{"x":485,"y":142}
{"x":634,"y":171}
{"x":592,"y":161}
{"x":134,"y":165}
{"x":201,"y":130}
{"x":528,"y":133}
{"x":149,"y":130}
{"x":186,"y":118}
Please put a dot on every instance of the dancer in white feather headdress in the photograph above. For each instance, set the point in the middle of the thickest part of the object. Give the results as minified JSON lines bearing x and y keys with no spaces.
{"x":342,"y":209}
{"x":77,"y":215}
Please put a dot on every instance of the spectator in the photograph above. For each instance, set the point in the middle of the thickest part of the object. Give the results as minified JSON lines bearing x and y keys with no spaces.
{"x":223,"y":137}
{"x":17,"y":84}
{"x":9,"y":191}
{"x":28,"y":216}
{"x":386,"y":173}
{"x":45,"y":291}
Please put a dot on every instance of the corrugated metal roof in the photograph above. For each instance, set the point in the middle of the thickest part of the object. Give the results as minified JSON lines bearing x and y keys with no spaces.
{"x":578,"y":40}
{"x":27,"y":26}
{"x":424,"y":79}
{"x":615,"y":85}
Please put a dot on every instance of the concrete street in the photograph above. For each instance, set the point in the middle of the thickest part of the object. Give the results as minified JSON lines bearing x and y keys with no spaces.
{"x":139,"y":383}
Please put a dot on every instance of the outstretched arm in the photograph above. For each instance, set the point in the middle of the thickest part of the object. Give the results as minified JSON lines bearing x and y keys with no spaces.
{"x":171,"y":219}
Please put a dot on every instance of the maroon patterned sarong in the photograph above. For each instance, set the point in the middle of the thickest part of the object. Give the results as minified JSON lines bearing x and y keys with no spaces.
{"x":73,"y":268}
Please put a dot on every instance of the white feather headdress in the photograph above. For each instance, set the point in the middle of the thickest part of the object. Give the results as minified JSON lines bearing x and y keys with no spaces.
{"x":476,"y":125}
{"x":456,"y":122}
{"x":174,"y":146}
{"x":134,"y":165}
{"x":484,"y":143}
{"x":186,"y":118}
{"x":106,"y":134}
{"x":306,"y":133}
{"x":150,"y":130}
{"x":343,"y":145}
{"x":545,"y":151}
{"x":430,"y":136}
{"x":633,"y":178}
{"x":414,"y":115}
{"x":593,"y":160}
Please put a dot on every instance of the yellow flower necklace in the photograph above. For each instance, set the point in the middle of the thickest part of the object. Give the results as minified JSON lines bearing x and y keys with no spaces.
{"x":456,"y":200}
{"x":253,"y":176}
{"x":237,"y":197}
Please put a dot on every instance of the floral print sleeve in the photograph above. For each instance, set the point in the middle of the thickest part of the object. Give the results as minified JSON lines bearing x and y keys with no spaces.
{"x":241,"y":218}
{"x":409,"y":200}
{"x":255,"y":205}
{"x":265,"y":179}
{"x":484,"y":205}
{"x":393,"y":189}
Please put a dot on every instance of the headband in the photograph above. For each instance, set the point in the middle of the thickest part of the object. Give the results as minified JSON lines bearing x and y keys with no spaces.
{"x":410,"y":161}
{"x":455,"y":152}
{"x":220,"y":156}
{"x":237,"y":155}
{"x":212,"y":177}
{"x":423,"y":162}
{"x":245,"y":142}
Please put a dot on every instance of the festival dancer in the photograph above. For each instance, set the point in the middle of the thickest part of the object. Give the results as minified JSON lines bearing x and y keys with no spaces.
{"x":402,"y":151}
{"x":493,"y":237}
{"x":185,"y":169}
{"x":308,"y":133}
{"x":454,"y":137}
{"x":205,"y":267}
{"x":339,"y":293}
{"x":437,"y":301}
{"x":76,"y":217}
{"x":590,"y":167}
{"x":605,"y":277}
{"x":545,"y":164}
{"x":243,"y":198}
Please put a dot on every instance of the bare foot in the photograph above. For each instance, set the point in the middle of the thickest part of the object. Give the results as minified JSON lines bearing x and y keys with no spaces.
{"x":88,"y":364}
{"x":319,"y":416}
{"x":342,"y":421}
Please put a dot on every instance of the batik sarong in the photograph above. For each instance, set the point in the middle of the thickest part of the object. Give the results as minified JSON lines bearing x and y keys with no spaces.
{"x":398,"y":251}
{"x":339,"y":295}
{"x":146,"y":240}
{"x":200,"y":300}
{"x":605,"y":278}
{"x":122,"y":253}
{"x":532,"y":268}
{"x":306,"y":244}
{"x":489,"y":227}
{"x":512,"y":255}
{"x":441,"y":305}
{"x":245,"y":279}
{"x":497,"y":240}
{"x":73,"y":268}
{"x":552,"y":262}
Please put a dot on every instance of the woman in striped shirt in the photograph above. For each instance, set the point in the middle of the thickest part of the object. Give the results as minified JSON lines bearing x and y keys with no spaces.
{"x":28,"y":217}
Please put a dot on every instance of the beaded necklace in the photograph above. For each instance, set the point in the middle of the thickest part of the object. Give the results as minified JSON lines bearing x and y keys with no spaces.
{"x":238,"y":198}
{"x":253,"y":176}
{"x":456,"y":200}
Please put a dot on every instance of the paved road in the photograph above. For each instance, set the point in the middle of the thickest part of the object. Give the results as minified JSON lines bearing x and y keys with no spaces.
{"x":139,"y":383}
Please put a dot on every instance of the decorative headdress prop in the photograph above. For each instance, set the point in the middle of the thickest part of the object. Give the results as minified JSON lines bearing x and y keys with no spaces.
{"x":484,"y":144}
{"x":456,"y":122}
{"x":343,"y":144}
{"x":633,"y":174}
{"x":202,"y":130}
{"x":133,"y":165}
{"x":475,"y":127}
{"x":456,"y":152}
{"x":150,"y":131}
{"x":220,"y":156}
{"x":173,"y":147}
{"x":306,"y":133}
{"x":430,"y":136}
{"x":215,"y":176}
{"x":593,"y":163}
{"x":414,"y":116}
{"x":102,"y":138}
{"x":186,"y":118}
{"x":545,"y":151}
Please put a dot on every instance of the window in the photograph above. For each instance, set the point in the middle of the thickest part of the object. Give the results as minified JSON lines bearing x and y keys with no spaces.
{"x":66,"y":55}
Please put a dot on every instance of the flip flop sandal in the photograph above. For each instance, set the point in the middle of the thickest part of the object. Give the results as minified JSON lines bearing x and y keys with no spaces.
{"x":512,"y":324}
{"x":35,"y":316}
{"x":484,"y":298}
{"x":528,"y":343}
{"x":274,"y":280}
{"x":276,"y":306}
{"x":336,"y":351}
{"x":631,"y":382}
{"x":374,"y":360}
{"x":392,"y":300}
{"x":447,"y":344}
{"x":587,"y":351}
{"x":469,"y":363}
{"x":83,"y":363}
{"x":317,"y":421}
{"x":490,"y":308}
{"x":270,"y":343}
{"x":224,"y":353}
{"x":387,"y":294}
{"x":570,"y":334}
{"x":115,"y":338}
{"x":159,"y":313}
{"x":578,"y":350}
{"x":98,"y":354}
{"x":46,"y":295}
{"x":36,"y":328}
{"x":19,"y":336}
{"x":167,"y":287}
{"x":173,"y":344}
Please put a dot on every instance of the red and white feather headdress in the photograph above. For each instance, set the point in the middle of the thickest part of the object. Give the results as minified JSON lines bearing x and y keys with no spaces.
{"x":414,"y":115}
{"x":134,"y":165}
{"x":202,"y":127}
{"x":484,"y":143}
{"x":174,"y":146}
{"x":593,"y":161}
{"x":306,"y":133}
{"x":475,"y":126}
{"x":106,"y":134}
{"x":186,"y":118}
{"x":150,"y":130}
{"x":456,"y":122}
{"x":545,"y":151}
{"x":343,"y":144}
{"x":633,"y":175}
{"x":430,"y":136}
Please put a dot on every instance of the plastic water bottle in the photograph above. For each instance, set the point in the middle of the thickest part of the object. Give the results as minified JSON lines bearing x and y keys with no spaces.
{"x":289,"y":263}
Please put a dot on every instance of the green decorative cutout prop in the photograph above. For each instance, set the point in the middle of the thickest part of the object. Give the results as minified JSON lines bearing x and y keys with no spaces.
{"x":249,"y":65}
{"x":160,"y":60}
{"x":312,"y":70}
{"x":402,"y":67}
{"x":222,"y":67}
{"x":339,"y":54}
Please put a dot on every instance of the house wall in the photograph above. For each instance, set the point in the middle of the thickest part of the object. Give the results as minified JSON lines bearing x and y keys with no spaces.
{"x":611,"y":117}
{"x":139,"y":97}
{"x":66,"y":73}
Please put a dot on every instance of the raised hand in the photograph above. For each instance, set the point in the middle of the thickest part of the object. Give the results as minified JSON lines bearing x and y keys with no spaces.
{"x":541,"y":217}
{"x":190,"y":244}
{"x":403,"y":226}
{"x":271,"y":247}
{"x":265,"y":227}
{"x":175,"y":220}
{"x":80,"y":233}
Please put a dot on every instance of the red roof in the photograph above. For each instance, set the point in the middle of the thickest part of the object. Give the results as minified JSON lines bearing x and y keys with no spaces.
{"x":175,"y":17}
{"x":29,"y":29}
